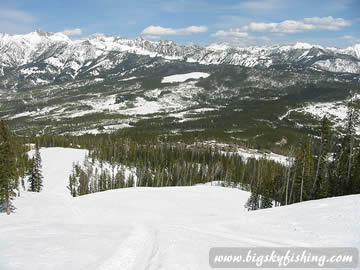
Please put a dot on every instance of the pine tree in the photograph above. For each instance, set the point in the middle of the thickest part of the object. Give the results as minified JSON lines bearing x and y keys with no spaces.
{"x":355,"y":179}
{"x":343,"y":164}
{"x":253,"y":203}
{"x":321,"y":180}
{"x":303,"y":173}
{"x":31,"y":175}
{"x":8,"y":181}
{"x":34,"y":172}
{"x":38,"y":169}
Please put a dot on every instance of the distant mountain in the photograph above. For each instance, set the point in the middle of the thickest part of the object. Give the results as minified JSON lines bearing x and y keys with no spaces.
{"x":104,"y":83}
{"x":40,"y":58}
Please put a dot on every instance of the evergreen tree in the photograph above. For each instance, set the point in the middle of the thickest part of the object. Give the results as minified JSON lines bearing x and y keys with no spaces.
{"x":343,"y":164}
{"x":303,"y":174}
{"x":35,"y":174}
{"x":355,"y":179}
{"x":266,"y":201}
{"x":321,"y":180}
{"x":253,"y":203}
{"x":8,"y":175}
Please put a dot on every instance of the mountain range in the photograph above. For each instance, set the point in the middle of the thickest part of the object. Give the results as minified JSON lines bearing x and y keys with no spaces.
{"x":40,"y":58}
{"x":51,"y":84}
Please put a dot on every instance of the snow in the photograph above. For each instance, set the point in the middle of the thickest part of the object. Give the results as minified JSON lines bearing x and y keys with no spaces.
{"x":338,"y":65}
{"x":218,"y":47}
{"x":143,"y":107}
{"x":252,"y":153}
{"x":353,"y":50}
{"x":155,"y":228}
{"x":41,"y":81}
{"x":184,"y":77}
{"x":356,"y":48}
{"x":25,"y":48}
{"x":65,"y":55}
{"x":128,"y":79}
{"x":54,"y":61}
{"x":168,"y":99}
{"x":303,"y":46}
{"x":247,"y":153}
{"x":32,"y":70}
{"x":336,"y":111}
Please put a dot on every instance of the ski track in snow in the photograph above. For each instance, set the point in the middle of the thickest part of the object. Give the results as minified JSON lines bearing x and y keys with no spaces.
{"x":134,"y":252}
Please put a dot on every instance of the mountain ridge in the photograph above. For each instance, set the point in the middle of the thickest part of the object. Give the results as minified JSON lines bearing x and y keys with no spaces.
{"x":41,"y":57}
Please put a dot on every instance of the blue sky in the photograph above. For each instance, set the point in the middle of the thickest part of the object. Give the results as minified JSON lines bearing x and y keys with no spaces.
{"x":261,"y":22}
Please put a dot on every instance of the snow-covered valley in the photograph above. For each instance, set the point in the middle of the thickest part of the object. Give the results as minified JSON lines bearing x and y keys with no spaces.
{"x":156,"y":228}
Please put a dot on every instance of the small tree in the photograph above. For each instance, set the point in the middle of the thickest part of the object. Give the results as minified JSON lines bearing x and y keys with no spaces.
{"x":253,"y":203}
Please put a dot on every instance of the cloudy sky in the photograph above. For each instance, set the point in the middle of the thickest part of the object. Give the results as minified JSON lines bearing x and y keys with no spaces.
{"x":260,"y":22}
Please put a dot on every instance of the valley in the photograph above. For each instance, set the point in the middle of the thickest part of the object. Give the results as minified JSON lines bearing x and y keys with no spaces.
{"x":105,"y":84}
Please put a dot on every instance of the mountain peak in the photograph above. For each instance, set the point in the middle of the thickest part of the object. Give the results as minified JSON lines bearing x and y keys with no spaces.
{"x":59,"y":36}
{"x":356,"y":48}
{"x":302,"y":45}
{"x":41,"y":33}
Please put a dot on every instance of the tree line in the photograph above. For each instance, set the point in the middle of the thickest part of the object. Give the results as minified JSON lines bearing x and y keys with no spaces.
{"x":324,"y":166}
{"x":320,"y":166}
{"x":16,"y":167}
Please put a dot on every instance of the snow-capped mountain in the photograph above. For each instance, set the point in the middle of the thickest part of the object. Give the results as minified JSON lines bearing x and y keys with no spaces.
{"x":42,"y":58}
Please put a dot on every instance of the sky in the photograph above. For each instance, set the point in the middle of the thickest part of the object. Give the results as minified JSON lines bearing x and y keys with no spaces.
{"x":334,"y":23}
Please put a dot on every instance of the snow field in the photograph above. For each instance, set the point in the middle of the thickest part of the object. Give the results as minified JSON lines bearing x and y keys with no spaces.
{"x":184,"y":77}
{"x":155,"y":228}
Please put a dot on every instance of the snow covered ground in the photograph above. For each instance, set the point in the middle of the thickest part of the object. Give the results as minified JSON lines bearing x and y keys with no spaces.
{"x":184,"y":77}
{"x":247,"y":153}
{"x":336,"y":111}
{"x":167,"y":100}
{"x":155,"y":228}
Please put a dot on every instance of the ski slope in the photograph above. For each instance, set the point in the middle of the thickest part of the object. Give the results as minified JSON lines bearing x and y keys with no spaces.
{"x":155,"y":228}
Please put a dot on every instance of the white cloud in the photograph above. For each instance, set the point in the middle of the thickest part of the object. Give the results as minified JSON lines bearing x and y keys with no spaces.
{"x":72,"y":32}
{"x":237,"y":37}
{"x":351,"y":39}
{"x":14,"y":21}
{"x":232,"y":33}
{"x":162,"y":31}
{"x":264,"y":5}
{"x":152,"y":37}
{"x":328,"y":23}
{"x":292,"y":26}
{"x":16,"y":15}
{"x":279,"y":29}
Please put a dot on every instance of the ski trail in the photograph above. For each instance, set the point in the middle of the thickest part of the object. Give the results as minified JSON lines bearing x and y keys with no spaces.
{"x":244,"y":238}
{"x":135,"y":252}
